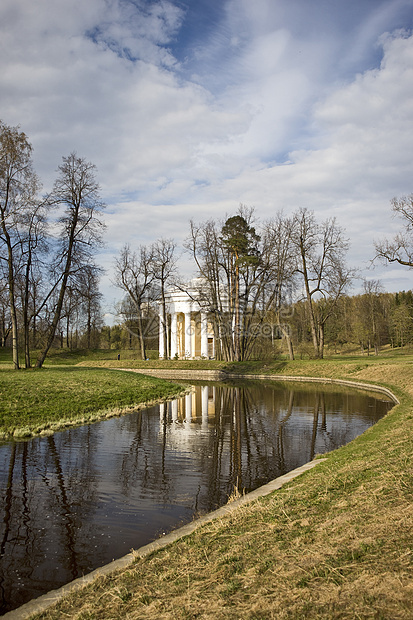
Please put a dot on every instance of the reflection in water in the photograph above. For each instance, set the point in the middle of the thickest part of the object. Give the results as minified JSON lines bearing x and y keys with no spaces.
{"x":78,"y":499}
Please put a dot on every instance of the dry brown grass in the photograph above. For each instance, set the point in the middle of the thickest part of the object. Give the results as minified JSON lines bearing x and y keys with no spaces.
{"x":335,"y":543}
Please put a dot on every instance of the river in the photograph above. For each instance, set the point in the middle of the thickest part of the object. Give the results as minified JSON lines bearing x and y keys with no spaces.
{"x":76,"y":500}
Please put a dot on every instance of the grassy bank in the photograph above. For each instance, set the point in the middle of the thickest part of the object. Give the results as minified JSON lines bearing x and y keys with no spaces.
{"x":335,"y":543}
{"x":46,"y":400}
{"x":334,"y":366}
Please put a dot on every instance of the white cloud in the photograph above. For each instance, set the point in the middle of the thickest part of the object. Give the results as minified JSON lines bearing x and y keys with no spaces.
{"x":69,"y":81}
{"x":275,"y":82}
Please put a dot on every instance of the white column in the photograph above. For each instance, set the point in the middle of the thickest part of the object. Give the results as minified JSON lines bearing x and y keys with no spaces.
{"x":188,"y":339}
{"x":174,"y":335}
{"x":204,"y":335}
{"x":188,"y":407}
{"x":162,"y":411}
{"x":204,"y":392}
{"x":175,"y":410}
{"x":161,"y":332}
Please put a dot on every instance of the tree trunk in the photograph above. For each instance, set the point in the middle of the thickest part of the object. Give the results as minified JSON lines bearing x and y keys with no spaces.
{"x":14,"y":327}
{"x":321,"y":341}
{"x":237,"y":326}
{"x":164,"y":325}
{"x":59,"y":306}
{"x":289,"y":346}
{"x":313,"y":324}
{"x":26,"y":314}
{"x":141,"y":334}
{"x":12,"y":301}
{"x":67,"y":330}
{"x":286,"y":335}
{"x":10,"y":282}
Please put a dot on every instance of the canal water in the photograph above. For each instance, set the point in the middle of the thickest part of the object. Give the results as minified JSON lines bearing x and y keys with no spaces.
{"x":78,"y":499}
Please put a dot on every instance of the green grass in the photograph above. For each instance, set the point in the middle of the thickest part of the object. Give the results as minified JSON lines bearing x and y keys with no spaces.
{"x":34,"y":401}
{"x":352,"y":368}
{"x":70,"y":357}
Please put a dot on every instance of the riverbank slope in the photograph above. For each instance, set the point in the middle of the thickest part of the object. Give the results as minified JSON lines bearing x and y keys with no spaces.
{"x":37,"y":402}
{"x":334,"y":543}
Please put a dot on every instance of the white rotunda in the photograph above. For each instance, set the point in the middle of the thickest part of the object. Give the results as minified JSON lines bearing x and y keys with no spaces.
{"x":189,"y":332}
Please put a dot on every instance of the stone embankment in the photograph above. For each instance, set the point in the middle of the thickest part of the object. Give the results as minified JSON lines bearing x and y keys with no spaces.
{"x":195,"y":375}
{"x":220,"y":375}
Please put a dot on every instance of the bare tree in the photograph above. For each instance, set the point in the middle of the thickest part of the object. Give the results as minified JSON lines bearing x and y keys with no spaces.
{"x":18,"y":189}
{"x":77,"y":192}
{"x":163,"y":269}
{"x":321,"y":249}
{"x":373,"y":313}
{"x":90,"y":297}
{"x":33,"y":248}
{"x":401,"y":318}
{"x":205,"y":246}
{"x":400,"y":248}
{"x":244,"y":276}
{"x":70,"y":315}
{"x":5,"y":323}
{"x":282,"y":263}
{"x":135,"y":275}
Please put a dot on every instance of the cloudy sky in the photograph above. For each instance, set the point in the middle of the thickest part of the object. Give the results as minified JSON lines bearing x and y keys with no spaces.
{"x":190,"y":107}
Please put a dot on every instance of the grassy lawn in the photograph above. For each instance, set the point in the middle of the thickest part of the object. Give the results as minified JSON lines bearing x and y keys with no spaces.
{"x":334,"y":366}
{"x":59,"y":357}
{"x":38,"y":401}
{"x":336,"y":542}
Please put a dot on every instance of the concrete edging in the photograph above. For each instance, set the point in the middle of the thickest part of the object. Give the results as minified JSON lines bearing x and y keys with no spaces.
{"x":45,"y":601}
{"x":210,"y":375}
{"x":356,"y":384}
{"x":206,"y":375}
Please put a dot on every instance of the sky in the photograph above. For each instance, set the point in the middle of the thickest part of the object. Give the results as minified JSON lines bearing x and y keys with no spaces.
{"x":189,"y":108}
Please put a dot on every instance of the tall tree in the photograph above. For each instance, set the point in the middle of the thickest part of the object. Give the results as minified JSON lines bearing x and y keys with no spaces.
{"x":205,"y":246}
{"x":76,"y":191}
{"x":241,"y":243}
{"x":373,"y":313}
{"x":135,"y":275}
{"x":401,"y":318}
{"x":70,"y":315}
{"x":163,"y":269}
{"x":18,"y":189}
{"x":241,"y":278}
{"x":277,"y":241}
{"x":33,"y":248}
{"x":321,"y":250}
{"x":5,"y":324}
{"x":90,"y":298}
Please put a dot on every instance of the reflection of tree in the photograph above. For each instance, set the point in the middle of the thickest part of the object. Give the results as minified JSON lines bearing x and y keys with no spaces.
{"x":7,"y":519}
{"x":142,"y":468}
{"x":280,"y":436}
{"x":69,"y":528}
{"x":49,"y":497}
{"x":70,"y":489}
{"x":245,"y":441}
{"x":315,"y":425}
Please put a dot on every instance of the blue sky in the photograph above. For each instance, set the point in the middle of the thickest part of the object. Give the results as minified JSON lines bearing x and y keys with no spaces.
{"x":190,"y":107}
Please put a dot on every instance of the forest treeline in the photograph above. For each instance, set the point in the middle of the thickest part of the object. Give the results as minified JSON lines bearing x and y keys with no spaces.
{"x":364,"y":323}
{"x":278,"y":286}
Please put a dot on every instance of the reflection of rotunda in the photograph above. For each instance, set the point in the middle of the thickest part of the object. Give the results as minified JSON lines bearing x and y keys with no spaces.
{"x":189,"y":332}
